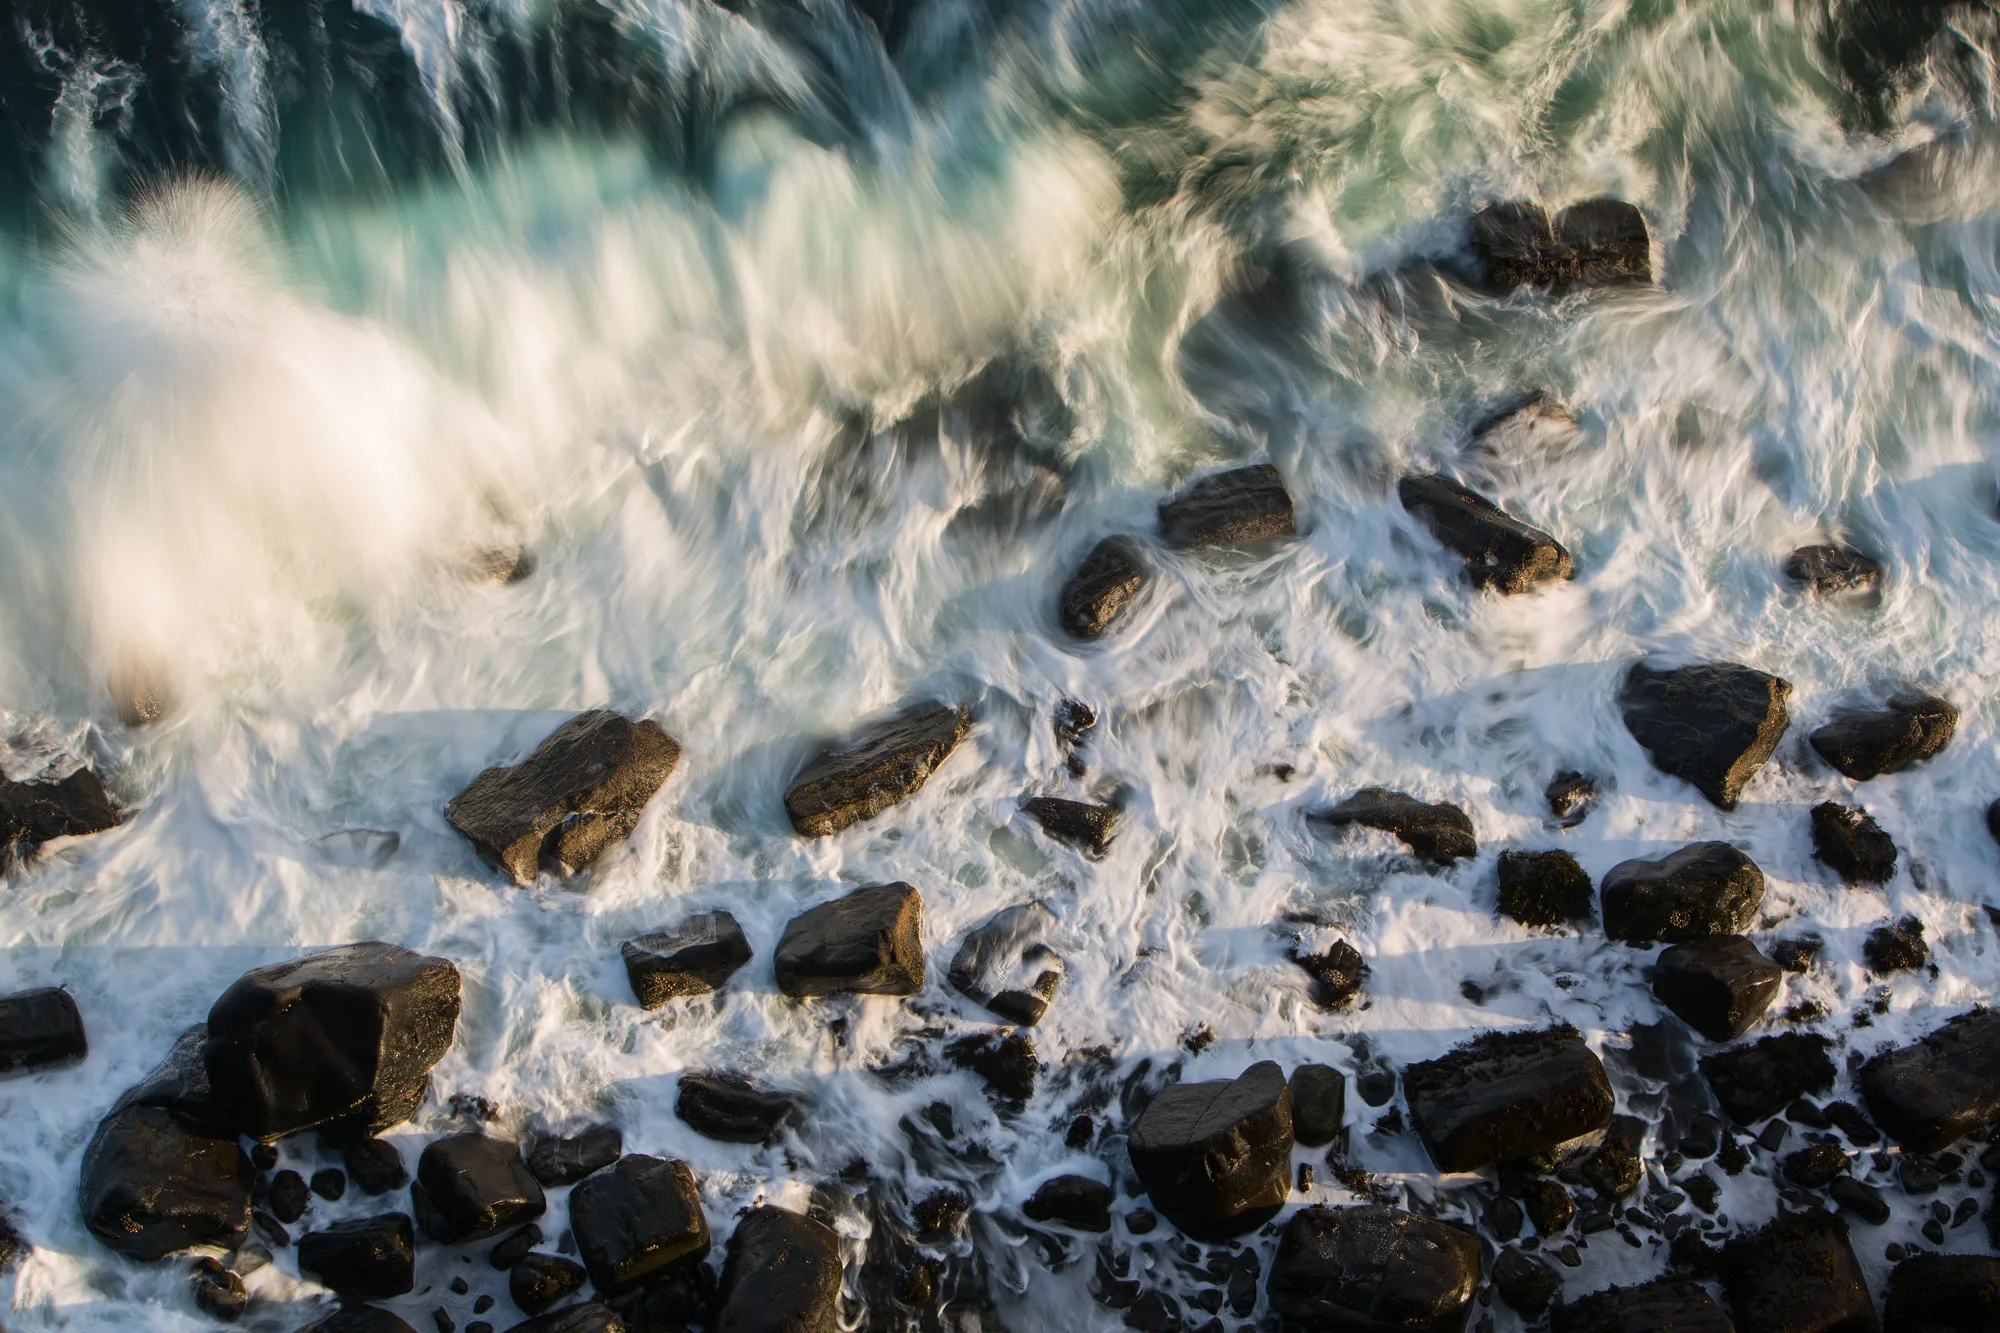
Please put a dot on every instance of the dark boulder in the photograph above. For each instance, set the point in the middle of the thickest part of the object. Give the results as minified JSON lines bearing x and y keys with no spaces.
{"x":343,"y":1040}
{"x":1544,"y":888}
{"x":1528,"y":1285}
{"x":1006,"y":964}
{"x":1499,"y":551}
{"x":180,"y":1084}
{"x":1506,"y":1095}
{"x":1708,"y":888}
{"x":1797,"y":1275}
{"x":330,"y":1184}
{"x":1006,"y":1060}
{"x":858,"y":776}
{"x":564,"y":1159}
{"x":1084,"y":826}
{"x":1670,"y":1305}
{"x":1719,"y":986}
{"x":1072,"y":1201}
{"x":1896,"y":948}
{"x":1438,"y":833}
{"x":40,"y":1028}
{"x":470,"y":1186}
{"x":541,"y":1280}
{"x":590,"y":1317}
{"x":732,"y":1109}
{"x":693,"y":958}
{"x":1752,"y":1083}
{"x":581,"y":792}
{"x":1853,"y":844}
{"x":1571,"y":797}
{"x":1832,"y":569}
{"x":218,"y":1293}
{"x":636,"y":1220}
{"x":1215,"y":1158}
{"x":782,"y":1276}
{"x":364,"y":1258}
{"x":376,"y":1166}
{"x":1596,"y":243}
{"x":1937,"y":1090}
{"x":1712,"y":725}
{"x":1866,"y":743}
{"x":1861,"y":1199}
{"x":1228,"y":508}
{"x":867,"y":943}
{"x":1815,"y":1167}
{"x":1373,"y":1268}
{"x":1337,"y":973}
{"x":1319,"y":1104}
{"x":288,"y":1196}
{"x":1104,"y":588}
{"x":1944,"y":1293}
{"x":361,"y":1319}
{"x":514,"y":1248}
{"x":32,"y":813}
{"x":1549,"y":1206}
{"x":153,"y":1185}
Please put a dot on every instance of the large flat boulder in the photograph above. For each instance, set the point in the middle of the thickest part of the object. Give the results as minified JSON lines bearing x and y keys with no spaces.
{"x":782,"y":1276}
{"x":1246,"y":504}
{"x":1719,"y":986}
{"x":1937,"y":1090}
{"x":1797,"y":1275}
{"x":1865,"y":743}
{"x":1670,"y":1305}
{"x":1104,"y":588}
{"x":581,"y":792}
{"x":1708,"y":888}
{"x":1506,"y":1095}
{"x":1215,"y":1158}
{"x":152,"y":1185}
{"x":33,"y":813}
{"x":363,"y":1258}
{"x":1754,"y":1082}
{"x":694,"y":958}
{"x":862,"y":774}
{"x":731,"y":1109}
{"x":1083,"y":825}
{"x":1944,"y":1293}
{"x":1438,"y":833}
{"x":867,"y":943}
{"x":471,"y":1186}
{"x":1852,"y":844}
{"x":1007,"y":964}
{"x":40,"y":1029}
{"x":1373,"y":1268}
{"x":342,"y":1040}
{"x":1499,"y":551}
{"x":636,"y":1220}
{"x":1712,"y":725}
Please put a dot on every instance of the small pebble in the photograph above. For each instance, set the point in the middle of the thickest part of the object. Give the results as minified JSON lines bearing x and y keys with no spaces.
{"x":1773,"y":1136}
{"x":1967,"y":1210}
{"x":1141,"y":1221}
{"x":481,"y":1306}
{"x":264,"y":1156}
{"x":329,"y":1184}
{"x":1893,"y":1253}
{"x":1918,"y":1176}
{"x":443,"y":1321}
{"x":1934,"y":1231}
{"x":1569,"y":1257}
{"x":459,"y":1287}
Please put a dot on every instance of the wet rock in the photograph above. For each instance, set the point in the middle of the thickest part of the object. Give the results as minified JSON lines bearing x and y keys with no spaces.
{"x":1528,"y":1285}
{"x":1861,"y":1199}
{"x":343,"y":1040}
{"x":636,"y":1220}
{"x":1944,"y":1293}
{"x":218,"y":1293}
{"x":858,"y":776}
{"x":330,"y":1184}
{"x":1613,"y":1171}
{"x":1438,"y":833}
{"x":1227,"y":509}
{"x":782,"y":1276}
{"x":693,"y":958}
{"x":1832,"y":569}
{"x":1544,"y":888}
{"x":377,"y":1166}
{"x":1084,"y":826}
{"x":1854,"y":845}
{"x":1712,"y":725}
{"x":581,"y":792}
{"x":732,"y":1109}
{"x":1752,"y":1083}
{"x":362,"y":1319}
{"x":564,"y":1159}
{"x":503,"y":565}
{"x":1500,"y":552}
{"x":541,"y":1280}
{"x":1571,"y":797}
{"x":679,"y":1296}
{"x":515,"y":1248}
{"x":1507,"y":1095}
{"x":1104,"y":588}
{"x":867,"y":943}
{"x":1072,"y":1201}
{"x":1373,"y":1267}
{"x":152,"y":1185}
{"x":470,"y":1187}
{"x":364,"y":1258}
{"x":1215,"y":1157}
{"x":939,"y":1217}
{"x":1667,"y":1306}
{"x":590,"y":1317}
{"x":1896,"y":948}
{"x":1708,"y":888}
{"x":1549,"y":1206}
{"x":1007,"y":1061}
{"x":1337,"y":974}
{"x":1007,"y":965}
{"x":1719,"y":986}
{"x":1935,"y":1091}
{"x":1799,"y":1273}
{"x":1797,"y":955}
{"x":1596,"y":243}
{"x":1075,"y":720}
{"x":288,"y":1196}
{"x":33,"y":813}
{"x":1319,"y":1104}
{"x":40,"y":1029}
{"x":1815,"y":1167}
{"x":1866,"y":743}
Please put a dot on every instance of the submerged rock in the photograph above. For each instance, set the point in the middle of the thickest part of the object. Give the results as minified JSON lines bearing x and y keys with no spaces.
{"x":1227,"y":509}
{"x":1438,"y":833}
{"x":1499,"y":551}
{"x":1797,"y":1273}
{"x":782,"y":1276}
{"x":363,"y":1258}
{"x":693,"y":958}
{"x":1719,"y":986}
{"x":1596,"y":243}
{"x":1709,"y":888}
{"x":1943,"y":1293}
{"x":1866,"y":743}
{"x":1007,"y":965}
{"x":218,"y":1293}
{"x":1319,"y":1104}
{"x":141,"y":692}
{"x":1104,"y":588}
{"x":1373,"y":1267}
{"x":1007,"y":1061}
{"x":578,"y":794}
{"x":153,"y":1185}
{"x":1544,"y":889}
{"x":1896,"y":948}
{"x":1854,"y":845}
{"x":32,"y":813}
{"x":1337,"y":974}
{"x":1670,"y":1305}
{"x":1712,"y":726}
{"x":39,"y":1029}
{"x":470,"y":1186}
{"x":867,"y":943}
{"x":1832,"y":569}
{"x":564,"y":1159}
{"x":860,"y":775}
{"x":1084,"y":826}
{"x":1077,"y":1202}
{"x":1527,"y":1285}
{"x":1507,"y":1095}
{"x":1937,"y":1090}
{"x":1215,"y":1157}
{"x":1571,"y":797}
{"x":732,"y":1109}
{"x":1753,"y":1083}
{"x":636,"y":1220}
{"x":540,"y":1280}
{"x":1815,"y":1167}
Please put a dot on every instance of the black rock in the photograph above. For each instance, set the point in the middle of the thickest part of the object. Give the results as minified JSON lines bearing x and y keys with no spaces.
{"x":1438,"y":833}
{"x":330,"y":1184}
{"x":363,"y":1319}
{"x":1708,"y":888}
{"x":1374,"y":1268}
{"x":560,"y":1159}
{"x":218,"y":1293}
{"x":1669,"y":1305}
{"x":470,"y":1186}
{"x":1896,"y":948}
{"x":1007,"y":965}
{"x":1712,"y":726}
{"x":1944,"y":1293}
{"x":152,"y":1185}
{"x":540,"y":1280}
{"x":263,"y":1156}
{"x":1798,"y":1273}
{"x":1104,"y":588}
{"x":376,"y":1166}
{"x":288,"y":1196}
{"x":1499,"y":551}
{"x":1753,"y":1083}
{"x":40,"y":1028}
{"x":581,"y":792}
{"x":782,"y":1276}
{"x":1831,"y":569}
{"x":1853,"y":844}
{"x":363,"y":1259}
{"x":1544,"y":888}
{"x":1613,"y":1171}
{"x":636,"y":1220}
{"x":939,"y":1217}
{"x":1797,"y":955}
{"x":1528,"y":1285}
{"x":1861,"y":1199}
{"x":858,"y":776}
{"x":675,"y":1298}
{"x":1866,"y":743}
{"x":515,"y":1248}
{"x":1073,"y":1201}
{"x":590,"y":1317}
{"x":32,"y":813}
{"x":1007,"y":1061}
{"x":1549,"y":1206}
{"x":732,"y":1109}
{"x":1596,"y":243}
{"x":1932,"y":1093}
{"x":1082,"y":825}
{"x":1719,"y":986}
{"x":1319,"y":1105}
{"x":1215,"y":1158}
{"x":1074,"y":721}
{"x":1571,"y":796}
{"x":1337,"y":974}
{"x":344,"y":1040}
{"x":1815,"y":1167}
{"x":1228,"y":508}
{"x":693,"y":958}
{"x":867,"y":943}
{"x":1507,"y":1095}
